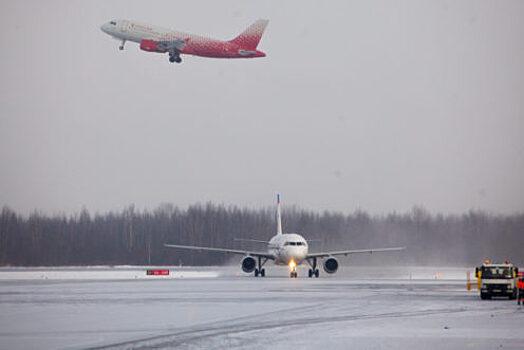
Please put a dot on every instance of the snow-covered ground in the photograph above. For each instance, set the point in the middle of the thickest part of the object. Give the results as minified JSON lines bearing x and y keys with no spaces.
{"x":221,"y":308}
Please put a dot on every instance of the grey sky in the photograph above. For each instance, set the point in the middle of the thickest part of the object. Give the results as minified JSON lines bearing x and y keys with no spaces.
{"x":377,"y":105}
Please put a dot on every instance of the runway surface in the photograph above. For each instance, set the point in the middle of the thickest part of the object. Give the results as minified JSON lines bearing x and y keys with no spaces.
{"x":220,"y":308}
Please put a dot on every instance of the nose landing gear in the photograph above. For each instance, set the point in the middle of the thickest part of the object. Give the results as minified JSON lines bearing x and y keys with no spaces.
{"x":293,"y":267}
{"x":121,"y":47}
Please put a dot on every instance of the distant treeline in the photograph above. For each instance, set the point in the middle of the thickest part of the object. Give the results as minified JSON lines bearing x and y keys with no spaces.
{"x":137,"y":237}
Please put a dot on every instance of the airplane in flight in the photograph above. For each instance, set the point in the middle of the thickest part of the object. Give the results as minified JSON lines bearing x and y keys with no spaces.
{"x":289,"y":249}
{"x":161,"y":40}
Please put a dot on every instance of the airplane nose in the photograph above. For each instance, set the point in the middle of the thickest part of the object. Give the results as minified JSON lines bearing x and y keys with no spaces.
{"x":103,"y":28}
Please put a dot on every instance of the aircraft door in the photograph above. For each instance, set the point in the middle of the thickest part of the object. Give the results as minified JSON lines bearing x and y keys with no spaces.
{"x":124,"y":25}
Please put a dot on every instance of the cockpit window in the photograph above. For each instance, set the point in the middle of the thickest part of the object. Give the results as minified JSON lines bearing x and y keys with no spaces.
{"x":294,"y":243}
{"x":113,"y":23}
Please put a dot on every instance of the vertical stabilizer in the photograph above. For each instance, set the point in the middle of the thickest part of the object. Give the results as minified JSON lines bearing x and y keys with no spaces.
{"x":250,"y":37}
{"x":279,"y":220}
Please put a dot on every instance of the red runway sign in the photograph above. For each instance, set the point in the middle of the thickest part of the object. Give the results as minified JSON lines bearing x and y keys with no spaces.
{"x":158,"y":272}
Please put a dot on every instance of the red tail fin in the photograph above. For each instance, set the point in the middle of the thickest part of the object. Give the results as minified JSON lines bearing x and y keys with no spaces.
{"x":250,"y":37}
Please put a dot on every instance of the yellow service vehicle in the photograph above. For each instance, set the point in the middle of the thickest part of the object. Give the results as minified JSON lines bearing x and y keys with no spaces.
{"x":497,"y":280}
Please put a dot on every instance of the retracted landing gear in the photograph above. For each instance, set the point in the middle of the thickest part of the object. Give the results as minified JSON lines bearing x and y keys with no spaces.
{"x":121,"y":47}
{"x":174,"y":56}
{"x":260,"y":271}
{"x":313,"y":271}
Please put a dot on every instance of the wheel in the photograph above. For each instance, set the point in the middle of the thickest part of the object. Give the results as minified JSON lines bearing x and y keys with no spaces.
{"x":256,"y":272}
{"x":316,"y":273}
{"x":172,"y":59}
{"x":263,"y":273}
{"x":120,"y":47}
{"x":485,"y":296}
{"x":310,"y":273}
{"x":178,"y":59}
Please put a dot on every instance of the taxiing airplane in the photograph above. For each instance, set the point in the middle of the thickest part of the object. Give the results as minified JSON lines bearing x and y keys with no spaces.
{"x":286,"y":249}
{"x":161,"y":40}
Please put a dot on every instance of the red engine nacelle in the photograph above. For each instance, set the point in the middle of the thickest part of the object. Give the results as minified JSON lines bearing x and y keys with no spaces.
{"x":149,"y":45}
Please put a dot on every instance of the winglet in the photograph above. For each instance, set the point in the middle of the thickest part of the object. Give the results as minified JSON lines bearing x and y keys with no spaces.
{"x":279,"y":220}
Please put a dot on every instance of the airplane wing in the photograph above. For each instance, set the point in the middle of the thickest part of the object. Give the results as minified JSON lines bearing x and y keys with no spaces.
{"x":355,"y":251}
{"x":250,"y":240}
{"x":170,"y":45}
{"x":222,"y":250}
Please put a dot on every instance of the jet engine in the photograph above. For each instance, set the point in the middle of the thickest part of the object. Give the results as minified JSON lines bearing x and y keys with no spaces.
{"x":248,"y":264}
{"x":331,"y":265}
{"x":149,"y":45}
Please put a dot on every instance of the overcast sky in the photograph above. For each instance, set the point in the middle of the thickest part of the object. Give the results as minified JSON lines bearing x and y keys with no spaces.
{"x":372,"y":105}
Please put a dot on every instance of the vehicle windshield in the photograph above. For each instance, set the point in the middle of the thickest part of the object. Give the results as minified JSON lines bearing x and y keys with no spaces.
{"x":495,"y":272}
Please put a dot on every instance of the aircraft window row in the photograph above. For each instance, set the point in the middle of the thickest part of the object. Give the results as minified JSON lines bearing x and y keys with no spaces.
{"x":294,"y":243}
{"x":113,"y":23}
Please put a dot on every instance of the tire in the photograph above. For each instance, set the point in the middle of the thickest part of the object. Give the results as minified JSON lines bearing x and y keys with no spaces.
{"x":178,"y":59}
{"x":483,"y":296}
{"x":316,"y":273}
{"x":256,"y":272}
{"x":263,"y":273}
{"x":310,"y":273}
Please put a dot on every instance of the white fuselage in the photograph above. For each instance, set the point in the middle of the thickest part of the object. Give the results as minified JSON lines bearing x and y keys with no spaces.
{"x":288,"y":247}
{"x":136,"y":32}
{"x":162,"y":40}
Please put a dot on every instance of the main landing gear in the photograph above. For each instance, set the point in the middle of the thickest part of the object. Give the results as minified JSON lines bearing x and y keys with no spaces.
{"x":174,"y":56}
{"x":313,"y":271}
{"x":121,"y":47}
{"x":260,"y":271}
